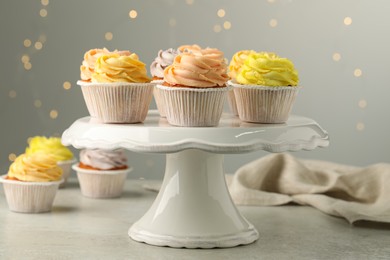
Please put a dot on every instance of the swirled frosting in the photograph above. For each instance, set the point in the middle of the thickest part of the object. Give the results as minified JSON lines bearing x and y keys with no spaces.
{"x":193,"y":70}
{"x":267,"y":69}
{"x":36,"y":167}
{"x":88,"y":65}
{"x":51,"y":145}
{"x":103,"y":159}
{"x":237,"y":61}
{"x":189,"y":48}
{"x":163,"y":60}
{"x":116,"y":68}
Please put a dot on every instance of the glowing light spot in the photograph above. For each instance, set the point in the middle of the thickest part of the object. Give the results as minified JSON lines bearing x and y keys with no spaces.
{"x":133,"y":14}
{"x":27,"y":43}
{"x":108,"y":36}
{"x":38,"y":45}
{"x":12,"y":157}
{"x":172,"y":22}
{"x":53,"y":114}
{"x":347,"y":20}
{"x":217,"y":28}
{"x":360,"y":126}
{"x":271,"y":1}
{"x":221,"y":13}
{"x":25,"y":58}
{"x":12,"y":94}
{"x":273,"y":22}
{"x":357,"y":72}
{"x":336,"y":56}
{"x":43,"y":12}
{"x":362,"y":103}
{"x":27,"y":66}
{"x":189,"y":2}
{"x":45,"y":2}
{"x":37,"y":103}
{"x":67,"y":85}
{"x":227,"y":25}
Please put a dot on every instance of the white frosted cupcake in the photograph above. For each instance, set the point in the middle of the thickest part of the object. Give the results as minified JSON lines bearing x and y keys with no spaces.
{"x":102,"y":173}
{"x":265,"y":88}
{"x":195,"y":89}
{"x":163,"y":60}
{"x":115,"y":86}
{"x":53,"y":147}
{"x":31,"y":183}
{"x":234,"y":67}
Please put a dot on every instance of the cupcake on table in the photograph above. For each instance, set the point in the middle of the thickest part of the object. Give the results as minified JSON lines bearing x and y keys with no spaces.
{"x":265,"y":88}
{"x":195,"y":88}
{"x":32,"y":182}
{"x":102,"y":173}
{"x":53,"y":147}
{"x":163,"y":60}
{"x":234,"y":67}
{"x":115,"y":86}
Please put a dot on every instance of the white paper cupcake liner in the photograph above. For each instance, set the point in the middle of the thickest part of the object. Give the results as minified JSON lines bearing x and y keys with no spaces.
{"x":101,"y":184}
{"x":66,"y":167}
{"x":232,"y":102}
{"x":193,"y":107}
{"x":260,"y":104}
{"x":117,"y":102}
{"x":30,"y":197}
{"x":159,"y":99}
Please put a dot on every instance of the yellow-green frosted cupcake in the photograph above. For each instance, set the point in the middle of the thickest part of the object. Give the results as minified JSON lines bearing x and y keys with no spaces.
{"x":265,"y":88}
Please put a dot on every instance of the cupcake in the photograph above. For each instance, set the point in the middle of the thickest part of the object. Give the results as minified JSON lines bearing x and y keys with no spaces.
{"x":31,"y":183}
{"x":115,"y":86}
{"x":195,"y":88}
{"x":234,"y":67}
{"x":265,"y":88}
{"x":57,"y":150}
{"x":163,"y":60}
{"x":102,"y":173}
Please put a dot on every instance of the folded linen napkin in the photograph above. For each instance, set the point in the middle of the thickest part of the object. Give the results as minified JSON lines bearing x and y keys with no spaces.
{"x":339,"y":190}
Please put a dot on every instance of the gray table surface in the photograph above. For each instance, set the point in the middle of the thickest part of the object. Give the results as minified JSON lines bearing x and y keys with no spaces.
{"x":82,"y":228}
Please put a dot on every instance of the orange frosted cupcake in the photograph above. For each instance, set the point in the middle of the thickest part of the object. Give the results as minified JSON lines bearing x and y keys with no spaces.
{"x":115,"y":86}
{"x":102,"y":173}
{"x":195,"y":89}
{"x":265,"y":88}
{"x":32,"y":182}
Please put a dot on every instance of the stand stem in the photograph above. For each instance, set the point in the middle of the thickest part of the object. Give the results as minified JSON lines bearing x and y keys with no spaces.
{"x":194,"y":207}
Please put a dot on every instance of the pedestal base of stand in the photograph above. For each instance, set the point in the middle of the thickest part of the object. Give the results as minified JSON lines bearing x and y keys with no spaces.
{"x":193,"y":208}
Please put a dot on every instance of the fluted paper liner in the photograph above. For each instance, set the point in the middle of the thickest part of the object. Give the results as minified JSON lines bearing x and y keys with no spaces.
{"x":260,"y":104}
{"x":117,"y":102}
{"x":101,"y":184}
{"x":66,"y":170}
{"x":158,"y":97}
{"x":193,"y":107}
{"x":29,"y":197}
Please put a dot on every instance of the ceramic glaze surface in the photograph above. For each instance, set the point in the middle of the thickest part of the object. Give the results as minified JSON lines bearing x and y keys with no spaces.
{"x":230,"y":136}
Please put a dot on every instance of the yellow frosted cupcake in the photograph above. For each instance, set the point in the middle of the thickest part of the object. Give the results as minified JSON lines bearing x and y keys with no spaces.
{"x":195,"y":89}
{"x":234,"y":67}
{"x":53,"y":147}
{"x":32,"y":183}
{"x":118,"y":90}
{"x":265,"y":88}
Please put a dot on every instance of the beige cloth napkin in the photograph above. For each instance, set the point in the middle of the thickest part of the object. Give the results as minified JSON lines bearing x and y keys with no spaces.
{"x":339,"y":190}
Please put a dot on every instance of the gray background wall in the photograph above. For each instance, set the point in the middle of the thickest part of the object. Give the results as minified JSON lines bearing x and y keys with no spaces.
{"x":340,"y":48}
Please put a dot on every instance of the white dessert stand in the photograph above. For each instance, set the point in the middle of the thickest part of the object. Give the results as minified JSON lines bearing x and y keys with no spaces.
{"x":193,"y":208}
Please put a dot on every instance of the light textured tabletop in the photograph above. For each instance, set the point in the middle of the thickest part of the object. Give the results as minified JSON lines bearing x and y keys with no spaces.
{"x":82,"y":228}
